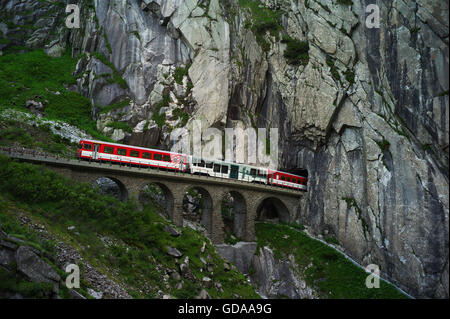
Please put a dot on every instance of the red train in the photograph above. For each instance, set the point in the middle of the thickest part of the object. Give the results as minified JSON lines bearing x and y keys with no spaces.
{"x":145,"y":157}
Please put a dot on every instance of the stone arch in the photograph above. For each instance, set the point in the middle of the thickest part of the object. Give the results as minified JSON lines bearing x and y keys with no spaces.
{"x":206,"y":204}
{"x":235,"y":219}
{"x":272,"y":208}
{"x":123,"y":191}
{"x":167,"y":202}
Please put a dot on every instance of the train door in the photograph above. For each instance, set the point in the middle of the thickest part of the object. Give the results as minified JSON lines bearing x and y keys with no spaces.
{"x":234,"y":172}
{"x":96,"y":149}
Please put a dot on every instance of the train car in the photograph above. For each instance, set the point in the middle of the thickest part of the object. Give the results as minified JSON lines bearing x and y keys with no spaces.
{"x":133,"y":155}
{"x":282,"y":179}
{"x":223,"y":169}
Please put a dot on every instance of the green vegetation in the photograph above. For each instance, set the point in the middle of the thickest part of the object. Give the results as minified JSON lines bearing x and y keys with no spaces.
{"x":116,"y":106}
{"x":108,"y":45}
{"x":13,"y":283}
{"x":179,"y":73}
{"x":296,"y":52}
{"x":384,"y":144}
{"x":138,"y":251}
{"x":137,"y":35}
{"x":160,"y":119}
{"x":414,"y":30}
{"x":321,"y":266}
{"x":331,"y":240}
{"x":28,"y":136}
{"x":180,"y":114}
{"x":263,"y":20}
{"x":35,"y":76}
{"x":116,"y":78}
{"x":345,"y":2}
{"x":333,"y":69}
{"x":350,"y":76}
{"x":426,"y":147}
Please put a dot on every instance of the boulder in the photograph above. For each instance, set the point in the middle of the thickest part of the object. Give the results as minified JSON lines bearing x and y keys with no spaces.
{"x":37,"y":270}
{"x":239,"y":254}
{"x":203,"y":295}
{"x":174,"y":252}
{"x":7,"y":257}
{"x":172,"y":231}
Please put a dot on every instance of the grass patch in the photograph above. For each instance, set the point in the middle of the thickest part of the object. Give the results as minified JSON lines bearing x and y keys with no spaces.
{"x":263,"y":20}
{"x":35,"y":76}
{"x":329,"y":271}
{"x":180,"y":114}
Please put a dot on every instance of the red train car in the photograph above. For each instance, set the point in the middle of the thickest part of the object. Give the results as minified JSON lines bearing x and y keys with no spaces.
{"x":133,"y":155}
{"x":288,"y":180}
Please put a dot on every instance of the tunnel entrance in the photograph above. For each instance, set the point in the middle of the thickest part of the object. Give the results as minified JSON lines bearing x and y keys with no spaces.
{"x":272,"y":210}
{"x":109,"y":186}
{"x":234,"y":212}
{"x":197,"y":210}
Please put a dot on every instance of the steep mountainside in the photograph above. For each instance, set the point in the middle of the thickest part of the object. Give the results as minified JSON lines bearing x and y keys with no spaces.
{"x":365,"y":111}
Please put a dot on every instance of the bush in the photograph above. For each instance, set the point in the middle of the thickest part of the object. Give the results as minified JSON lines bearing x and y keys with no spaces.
{"x":296,"y":52}
{"x":179,"y":73}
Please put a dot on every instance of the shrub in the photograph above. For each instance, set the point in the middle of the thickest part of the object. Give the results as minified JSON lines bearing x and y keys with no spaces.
{"x":296,"y":52}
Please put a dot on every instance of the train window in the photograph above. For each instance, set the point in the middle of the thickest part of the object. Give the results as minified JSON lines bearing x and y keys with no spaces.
{"x":147,"y":155}
{"x":294,"y":180}
{"x":87,"y":147}
{"x":157,"y":157}
{"x":209,"y":165}
{"x":288,"y":179}
{"x":253,"y":172}
{"x":121,"y":151}
{"x":224,"y":169}
{"x":283,"y":178}
{"x":166,"y":158}
{"x":216,"y":168}
{"x":261,"y":173}
{"x":134,"y":153}
{"x":108,"y":150}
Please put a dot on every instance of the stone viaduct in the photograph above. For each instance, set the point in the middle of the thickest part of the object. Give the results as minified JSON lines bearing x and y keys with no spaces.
{"x":249,"y":198}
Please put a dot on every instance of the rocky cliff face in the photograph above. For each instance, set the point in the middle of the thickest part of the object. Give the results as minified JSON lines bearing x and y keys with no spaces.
{"x":365,"y":111}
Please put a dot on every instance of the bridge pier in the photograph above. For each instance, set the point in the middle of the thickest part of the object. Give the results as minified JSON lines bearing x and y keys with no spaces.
{"x":177,"y":212}
{"x":217,"y":236}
